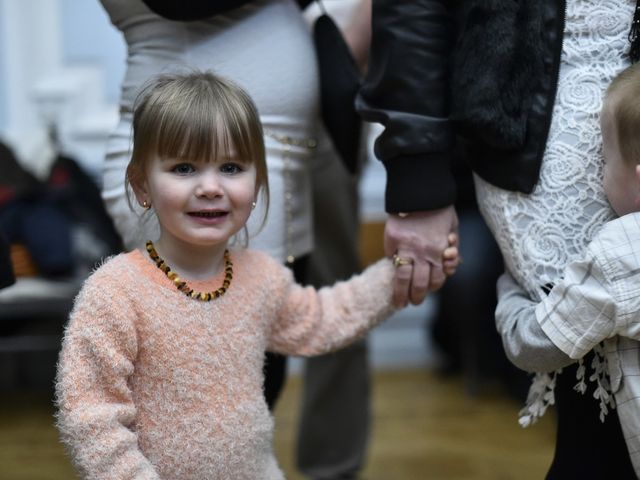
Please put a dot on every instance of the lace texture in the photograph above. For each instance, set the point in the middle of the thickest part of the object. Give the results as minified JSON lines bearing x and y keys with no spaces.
{"x":540,"y":233}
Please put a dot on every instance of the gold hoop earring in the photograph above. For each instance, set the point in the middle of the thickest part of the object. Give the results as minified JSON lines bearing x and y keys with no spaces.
{"x":146,"y":205}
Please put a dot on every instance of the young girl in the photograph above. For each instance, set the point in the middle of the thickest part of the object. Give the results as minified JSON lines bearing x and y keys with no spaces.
{"x":160,"y":374}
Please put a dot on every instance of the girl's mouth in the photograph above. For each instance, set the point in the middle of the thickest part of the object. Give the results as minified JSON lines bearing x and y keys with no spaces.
{"x":207,"y":214}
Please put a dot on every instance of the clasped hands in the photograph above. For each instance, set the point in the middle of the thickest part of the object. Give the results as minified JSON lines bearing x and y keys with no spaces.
{"x":424,"y":249}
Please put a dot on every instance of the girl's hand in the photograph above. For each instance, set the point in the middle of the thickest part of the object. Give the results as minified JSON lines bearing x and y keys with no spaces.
{"x":451,"y":258}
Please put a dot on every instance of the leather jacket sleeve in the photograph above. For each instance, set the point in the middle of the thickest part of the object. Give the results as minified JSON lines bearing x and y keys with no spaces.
{"x":190,"y":10}
{"x":407,"y":90}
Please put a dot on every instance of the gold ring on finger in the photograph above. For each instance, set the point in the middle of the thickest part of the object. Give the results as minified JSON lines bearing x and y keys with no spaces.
{"x":400,"y":261}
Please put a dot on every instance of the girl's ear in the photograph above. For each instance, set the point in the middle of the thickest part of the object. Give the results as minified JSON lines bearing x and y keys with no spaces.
{"x":141,"y":192}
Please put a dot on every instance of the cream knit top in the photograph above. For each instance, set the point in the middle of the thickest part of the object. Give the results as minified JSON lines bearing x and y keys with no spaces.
{"x":154,"y":385}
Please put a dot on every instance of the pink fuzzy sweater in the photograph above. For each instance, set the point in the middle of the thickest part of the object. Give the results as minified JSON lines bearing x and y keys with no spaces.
{"x":154,"y":385}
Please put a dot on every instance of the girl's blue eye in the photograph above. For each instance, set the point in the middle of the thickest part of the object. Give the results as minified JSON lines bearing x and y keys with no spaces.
{"x":231,"y":168}
{"x":183,"y":169}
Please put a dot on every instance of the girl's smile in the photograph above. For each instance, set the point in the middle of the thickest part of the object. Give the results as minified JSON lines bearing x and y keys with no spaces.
{"x":209,"y":216}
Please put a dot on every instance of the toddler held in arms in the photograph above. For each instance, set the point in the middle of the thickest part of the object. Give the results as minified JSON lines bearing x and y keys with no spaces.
{"x":160,"y":374}
{"x":598,"y":299}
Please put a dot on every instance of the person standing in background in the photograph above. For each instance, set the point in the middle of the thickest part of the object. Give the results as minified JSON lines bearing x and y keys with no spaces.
{"x":334,"y":425}
{"x":7,"y":275}
{"x":6,"y":270}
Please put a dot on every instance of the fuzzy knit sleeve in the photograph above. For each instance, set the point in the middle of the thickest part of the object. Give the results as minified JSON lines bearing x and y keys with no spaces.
{"x":312,"y":322}
{"x":95,"y":406}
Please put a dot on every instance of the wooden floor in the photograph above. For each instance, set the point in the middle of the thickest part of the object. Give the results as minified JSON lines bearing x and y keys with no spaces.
{"x":425,"y":427}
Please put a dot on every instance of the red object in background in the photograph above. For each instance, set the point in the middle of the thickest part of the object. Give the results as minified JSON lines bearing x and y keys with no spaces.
{"x":7,"y":193}
{"x":60,"y":177}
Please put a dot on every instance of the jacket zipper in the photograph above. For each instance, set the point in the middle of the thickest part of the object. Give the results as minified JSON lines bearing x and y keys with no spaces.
{"x":555,"y":76}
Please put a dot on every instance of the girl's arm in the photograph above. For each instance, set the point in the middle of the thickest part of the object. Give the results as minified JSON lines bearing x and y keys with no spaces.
{"x":95,"y":407}
{"x":525,"y":343}
{"x":312,"y":322}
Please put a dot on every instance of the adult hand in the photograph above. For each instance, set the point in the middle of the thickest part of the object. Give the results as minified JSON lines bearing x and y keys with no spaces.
{"x":420,"y":238}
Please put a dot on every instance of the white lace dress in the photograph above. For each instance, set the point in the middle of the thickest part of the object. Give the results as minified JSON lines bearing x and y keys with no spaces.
{"x":541,"y":232}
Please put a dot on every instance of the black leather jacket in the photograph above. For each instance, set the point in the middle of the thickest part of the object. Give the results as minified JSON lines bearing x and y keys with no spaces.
{"x":446,"y":74}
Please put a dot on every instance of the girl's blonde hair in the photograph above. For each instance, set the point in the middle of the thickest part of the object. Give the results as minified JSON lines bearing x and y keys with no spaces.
{"x":197,"y":116}
{"x":623,"y":101}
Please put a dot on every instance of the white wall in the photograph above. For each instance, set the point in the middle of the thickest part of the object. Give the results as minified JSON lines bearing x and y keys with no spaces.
{"x":89,"y":38}
{"x":3,"y":74}
{"x":60,"y":60}
{"x":30,"y":48}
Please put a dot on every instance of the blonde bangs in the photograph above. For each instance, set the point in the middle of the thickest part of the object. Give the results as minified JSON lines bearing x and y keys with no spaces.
{"x":196,"y":117}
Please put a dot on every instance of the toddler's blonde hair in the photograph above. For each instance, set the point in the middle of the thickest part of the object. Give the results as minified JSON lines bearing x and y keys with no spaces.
{"x":623,"y":101}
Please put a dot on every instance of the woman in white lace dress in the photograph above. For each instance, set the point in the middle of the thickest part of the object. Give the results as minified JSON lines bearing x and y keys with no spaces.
{"x":521,"y":86}
{"x":539,"y":233}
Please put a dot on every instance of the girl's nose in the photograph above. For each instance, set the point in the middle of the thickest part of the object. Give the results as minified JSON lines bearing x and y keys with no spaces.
{"x":209,"y":185}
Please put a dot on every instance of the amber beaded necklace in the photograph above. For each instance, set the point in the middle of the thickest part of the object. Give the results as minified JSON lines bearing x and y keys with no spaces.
{"x":184,"y":286}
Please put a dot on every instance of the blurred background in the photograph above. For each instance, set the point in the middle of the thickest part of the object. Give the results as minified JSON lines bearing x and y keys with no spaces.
{"x":444,"y":398}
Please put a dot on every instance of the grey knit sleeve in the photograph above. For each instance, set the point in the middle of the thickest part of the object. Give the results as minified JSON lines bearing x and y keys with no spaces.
{"x":524,"y":342}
